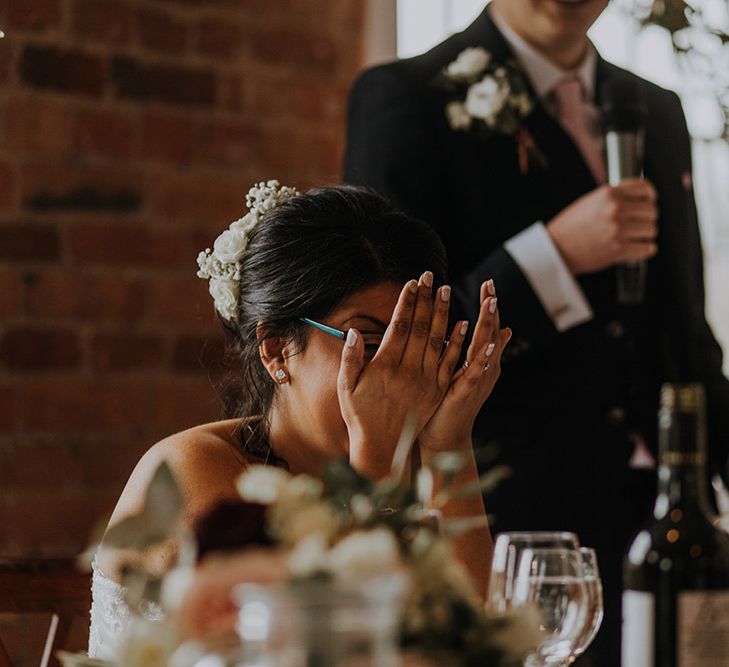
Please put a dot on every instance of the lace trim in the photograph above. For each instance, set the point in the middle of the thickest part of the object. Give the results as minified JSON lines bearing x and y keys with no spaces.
{"x":111,"y":615}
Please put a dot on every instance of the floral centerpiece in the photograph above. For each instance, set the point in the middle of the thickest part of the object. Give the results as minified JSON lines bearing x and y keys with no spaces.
{"x":342,"y":529}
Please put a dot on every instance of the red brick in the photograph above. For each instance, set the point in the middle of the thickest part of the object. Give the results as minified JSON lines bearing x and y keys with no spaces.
{"x":65,"y":406}
{"x":68,"y":70}
{"x":183,"y":301}
{"x":220,"y":39}
{"x":34,"y":14}
{"x":159,"y":32}
{"x":105,"y":21}
{"x":89,"y":296}
{"x":104,"y":132}
{"x":126,"y":352}
{"x":119,"y":244}
{"x":54,"y":522}
{"x":170,"y":137}
{"x":39,"y":124}
{"x":178,"y":85}
{"x":282,"y":46}
{"x":28,"y":349}
{"x":8,"y":408}
{"x":35,"y":463}
{"x":199,"y":198}
{"x":29,"y":242}
{"x":11,"y":293}
{"x":68,"y":186}
{"x":8,"y":187}
{"x":200,"y":354}
{"x":183,"y":404}
{"x":230,"y":143}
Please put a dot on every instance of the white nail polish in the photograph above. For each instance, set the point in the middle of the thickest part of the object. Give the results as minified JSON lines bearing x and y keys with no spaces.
{"x":492,"y":306}
{"x":427,"y":279}
{"x":464,"y":328}
{"x":351,"y":338}
{"x":445,"y":293}
{"x":413,"y":286}
{"x":491,"y":287}
{"x":490,"y":349}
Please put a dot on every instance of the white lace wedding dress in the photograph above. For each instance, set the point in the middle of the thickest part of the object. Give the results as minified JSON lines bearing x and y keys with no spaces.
{"x":111,"y":615}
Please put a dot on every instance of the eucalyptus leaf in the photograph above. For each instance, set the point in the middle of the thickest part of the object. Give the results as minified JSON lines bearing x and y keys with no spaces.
{"x":163,"y":503}
{"x":484,"y":484}
{"x":135,"y":532}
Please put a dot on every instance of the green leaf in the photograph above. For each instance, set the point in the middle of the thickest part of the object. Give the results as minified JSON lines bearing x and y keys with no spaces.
{"x":164,"y":502}
{"x":456,"y":527}
{"x":484,"y":484}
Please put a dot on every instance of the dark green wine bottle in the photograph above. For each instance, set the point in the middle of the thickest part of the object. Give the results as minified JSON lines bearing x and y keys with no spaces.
{"x":676,"y":573}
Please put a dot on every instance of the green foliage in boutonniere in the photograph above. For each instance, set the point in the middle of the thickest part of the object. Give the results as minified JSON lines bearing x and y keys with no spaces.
{"x":490,"y":98}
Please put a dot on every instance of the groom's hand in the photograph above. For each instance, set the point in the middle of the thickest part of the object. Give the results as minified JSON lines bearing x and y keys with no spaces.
{"x":610,"y":225}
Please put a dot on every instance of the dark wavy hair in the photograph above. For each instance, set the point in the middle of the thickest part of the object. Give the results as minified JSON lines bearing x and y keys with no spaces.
{"x":304,"y":258}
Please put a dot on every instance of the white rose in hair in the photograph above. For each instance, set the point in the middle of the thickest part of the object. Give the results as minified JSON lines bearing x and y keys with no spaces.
{"x":225,"y":296}
{"x":365,"y":554}
{"x":458,"y":117}
{"x":229,"y":246}
{"x":486,"y":99}
{"x":469,"y":63}
{"x":246,"y":223}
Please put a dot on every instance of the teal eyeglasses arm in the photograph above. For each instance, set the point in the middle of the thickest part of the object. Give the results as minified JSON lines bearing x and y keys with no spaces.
{"x":323,"y":327}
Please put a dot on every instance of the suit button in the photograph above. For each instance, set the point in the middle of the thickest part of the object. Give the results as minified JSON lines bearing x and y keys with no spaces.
{"x":615,"y":329}
{"x":615,"y":416}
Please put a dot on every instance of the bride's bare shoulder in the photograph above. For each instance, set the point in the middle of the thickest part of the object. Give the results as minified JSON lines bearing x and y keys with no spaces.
{"x":205,"y":460}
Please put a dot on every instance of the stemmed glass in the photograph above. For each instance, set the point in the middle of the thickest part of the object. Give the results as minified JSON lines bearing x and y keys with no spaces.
{"x":553,"y":582}
{"x":595,"y":609}
{"x":507,"y":550}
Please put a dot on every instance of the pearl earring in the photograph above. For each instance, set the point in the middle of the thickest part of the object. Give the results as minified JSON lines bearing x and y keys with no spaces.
{"x":280,"y":375}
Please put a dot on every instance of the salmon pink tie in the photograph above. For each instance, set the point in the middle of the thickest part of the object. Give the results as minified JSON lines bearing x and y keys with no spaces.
{"x":568,"y":96}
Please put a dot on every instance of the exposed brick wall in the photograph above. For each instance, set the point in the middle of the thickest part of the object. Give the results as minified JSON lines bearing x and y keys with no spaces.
{"x":130,"y":131}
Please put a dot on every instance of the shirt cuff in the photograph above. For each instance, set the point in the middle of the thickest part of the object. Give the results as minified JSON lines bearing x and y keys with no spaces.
{"x":539,"y":260}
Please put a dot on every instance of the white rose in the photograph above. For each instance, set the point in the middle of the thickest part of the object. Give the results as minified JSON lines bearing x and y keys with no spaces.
{"x":229,"y":246}
{"x":313,"y":518}
{"x":262,"y":484}
{"x":458,"y":117}
{"x":469,"y":63}
{"x":365,"y":554}
{"x":147,"y":644}
{"x":225,"y":296}
{"x":175,"y":585}
{"x":309,"y":557}
{"x":246,"y":223}
{"x":300,"y":490}
{"x":485,"y":99}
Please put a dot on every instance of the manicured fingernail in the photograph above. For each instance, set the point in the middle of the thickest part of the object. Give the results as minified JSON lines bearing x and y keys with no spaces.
{"x":490,"y":349}
{"x":464,"y":328}
{"x":445,"y":293}
{"x":351,"y":338}
{"x":492,"y":305}
{"x":413,"y":287}
{"x":427,"y":279}
{"x":491,"y":287}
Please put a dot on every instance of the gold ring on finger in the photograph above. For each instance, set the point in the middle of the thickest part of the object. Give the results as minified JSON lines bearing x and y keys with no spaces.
{"x":466,"y":364}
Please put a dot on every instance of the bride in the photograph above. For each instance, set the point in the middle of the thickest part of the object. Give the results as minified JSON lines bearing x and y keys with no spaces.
{"x":338,"y":306}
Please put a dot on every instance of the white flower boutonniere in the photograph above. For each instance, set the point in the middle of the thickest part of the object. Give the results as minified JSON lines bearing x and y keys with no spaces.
{"x":490,"y":98}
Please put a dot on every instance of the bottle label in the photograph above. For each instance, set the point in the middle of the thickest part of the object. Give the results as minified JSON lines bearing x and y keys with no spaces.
{"x":702,"y":635}
{"x":638,"y":629}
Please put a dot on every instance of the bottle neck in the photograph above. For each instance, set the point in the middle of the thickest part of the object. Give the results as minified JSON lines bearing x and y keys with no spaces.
{"x":682,"y":479}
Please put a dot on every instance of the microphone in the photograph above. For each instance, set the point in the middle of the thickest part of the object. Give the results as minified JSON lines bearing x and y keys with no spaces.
{"x":623,"y":117}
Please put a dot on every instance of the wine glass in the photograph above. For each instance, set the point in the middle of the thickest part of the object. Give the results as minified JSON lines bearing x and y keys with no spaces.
{"x":507,"y":550}
{"x":595,"y":610}
{"x":553,"y":582}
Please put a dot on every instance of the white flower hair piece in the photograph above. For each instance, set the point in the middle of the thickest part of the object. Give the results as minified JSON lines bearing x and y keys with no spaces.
{"x":221,"y":264}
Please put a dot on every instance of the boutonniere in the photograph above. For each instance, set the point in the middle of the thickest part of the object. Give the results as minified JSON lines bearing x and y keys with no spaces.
{"x":490,"y":98}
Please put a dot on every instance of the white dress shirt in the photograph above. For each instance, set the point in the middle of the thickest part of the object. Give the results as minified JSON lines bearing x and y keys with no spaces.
{"x":533,"y":249}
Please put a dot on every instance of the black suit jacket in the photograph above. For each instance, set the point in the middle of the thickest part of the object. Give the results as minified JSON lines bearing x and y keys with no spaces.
{"x":566,"y":402}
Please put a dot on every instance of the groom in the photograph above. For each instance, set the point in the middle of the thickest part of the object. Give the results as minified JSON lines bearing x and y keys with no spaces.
{"x":574,"y":415}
